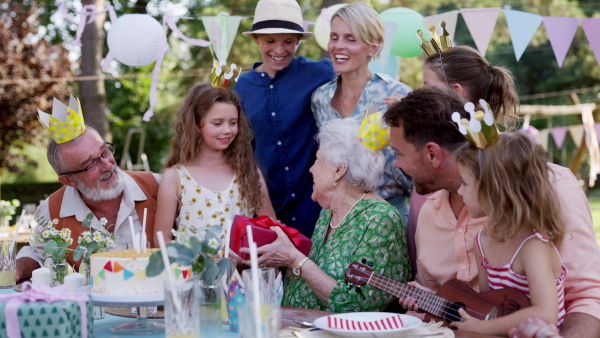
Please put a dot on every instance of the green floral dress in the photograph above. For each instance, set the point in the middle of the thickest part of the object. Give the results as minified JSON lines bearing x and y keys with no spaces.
{"x":373,"y":231}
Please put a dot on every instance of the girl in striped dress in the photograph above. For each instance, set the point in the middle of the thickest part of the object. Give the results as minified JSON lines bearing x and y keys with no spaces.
{"x":508,"y":183}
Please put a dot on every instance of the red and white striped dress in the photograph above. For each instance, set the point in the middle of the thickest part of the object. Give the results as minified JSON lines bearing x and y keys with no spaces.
{"x":503,"y":277}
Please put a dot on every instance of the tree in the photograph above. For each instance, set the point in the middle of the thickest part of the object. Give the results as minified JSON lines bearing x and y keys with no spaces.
{"x":28,"y":57}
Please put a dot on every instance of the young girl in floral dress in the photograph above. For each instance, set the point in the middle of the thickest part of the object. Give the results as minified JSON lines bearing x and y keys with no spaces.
{"x":210,"y":175}
{"x":508,"y":181}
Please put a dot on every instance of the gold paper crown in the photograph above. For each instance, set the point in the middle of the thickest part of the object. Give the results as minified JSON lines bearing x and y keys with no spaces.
{"x":66,"y":122}
{"x":373,"y":133}
{"x":480,"y":130}
{"x":222,"y":75}
{"x":437,"y":44}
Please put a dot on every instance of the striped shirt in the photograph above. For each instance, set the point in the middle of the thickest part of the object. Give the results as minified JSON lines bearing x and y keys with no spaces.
{"x":503,"y":277}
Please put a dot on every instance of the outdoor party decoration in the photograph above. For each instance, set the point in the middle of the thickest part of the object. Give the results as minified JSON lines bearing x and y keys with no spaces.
{"x":221,"y":31}
{"x":561,"y":31}
{"x":522,"y":26}
{"x":591,"y":28}
{"x":323,"y":25}
{"x":66,"y":122}
{"x":406,"y":44}
{"x":134,"y":39}
{"x":450,"y":18}
{"x":373,"y":133}
{"x":481,"y":23}
{"x":387,"y":62}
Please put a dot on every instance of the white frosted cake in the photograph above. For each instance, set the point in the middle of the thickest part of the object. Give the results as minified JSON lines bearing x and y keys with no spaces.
{"x":124,"y":273}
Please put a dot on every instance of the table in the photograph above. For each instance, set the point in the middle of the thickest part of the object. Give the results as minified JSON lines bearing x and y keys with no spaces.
{"x":288,"y":314}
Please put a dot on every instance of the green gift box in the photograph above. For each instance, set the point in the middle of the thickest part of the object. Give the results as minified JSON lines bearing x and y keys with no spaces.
{"x":57,"y":319}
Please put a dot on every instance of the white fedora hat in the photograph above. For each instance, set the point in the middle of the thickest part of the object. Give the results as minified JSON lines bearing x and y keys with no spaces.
{"x":277,"y":17}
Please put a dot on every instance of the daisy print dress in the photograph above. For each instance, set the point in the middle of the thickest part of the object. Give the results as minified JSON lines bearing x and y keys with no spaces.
{"x":201,"y":207}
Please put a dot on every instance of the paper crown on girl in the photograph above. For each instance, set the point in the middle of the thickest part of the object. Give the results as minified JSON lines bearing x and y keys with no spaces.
{"x":222,"y":75}
{"x":480,"y":130}
{"x":437,"y":44}
{"x":66,"y":122}
{"x":373,"y":133}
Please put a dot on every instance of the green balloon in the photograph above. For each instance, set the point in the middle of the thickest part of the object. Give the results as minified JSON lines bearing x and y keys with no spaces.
{"x":406,"y":43}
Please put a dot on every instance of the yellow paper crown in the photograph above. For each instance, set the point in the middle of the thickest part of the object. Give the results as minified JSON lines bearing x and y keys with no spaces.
{"x":222,"y":75}
{"x":480,"y":130}
{"x":66,"y":122}
{"x":373,"y":133}
{"x":437,"y":44}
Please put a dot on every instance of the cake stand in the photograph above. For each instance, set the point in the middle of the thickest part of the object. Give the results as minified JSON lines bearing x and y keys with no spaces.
{"x":141,"y":326}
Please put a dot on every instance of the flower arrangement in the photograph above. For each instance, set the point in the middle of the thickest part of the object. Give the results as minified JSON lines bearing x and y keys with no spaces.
{"x":7,"y":210}
{"x":56,"y":242}
{"x":93,"y":240}
{"x":188,"y":250}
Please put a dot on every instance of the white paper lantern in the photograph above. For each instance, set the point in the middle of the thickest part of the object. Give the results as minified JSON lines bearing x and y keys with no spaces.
{"x":323,"y":25}
{"x":134,"y":39}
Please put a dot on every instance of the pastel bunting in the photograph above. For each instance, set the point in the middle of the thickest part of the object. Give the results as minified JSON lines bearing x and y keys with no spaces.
{"x":66,"y":122}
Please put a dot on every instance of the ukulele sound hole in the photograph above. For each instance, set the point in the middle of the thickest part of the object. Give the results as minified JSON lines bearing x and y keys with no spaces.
{"x":452,"y":314}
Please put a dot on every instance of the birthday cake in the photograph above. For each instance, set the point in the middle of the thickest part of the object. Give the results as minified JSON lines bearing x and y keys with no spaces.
{"x":124,"y":273}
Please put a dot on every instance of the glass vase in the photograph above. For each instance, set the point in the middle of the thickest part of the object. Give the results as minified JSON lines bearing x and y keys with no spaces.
{"x":58,"y":271}
{"x":209,"y":299}
{"x":86,"y":270}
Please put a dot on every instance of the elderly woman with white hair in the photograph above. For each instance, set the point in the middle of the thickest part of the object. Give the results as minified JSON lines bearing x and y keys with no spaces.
{"x":356,"y":224}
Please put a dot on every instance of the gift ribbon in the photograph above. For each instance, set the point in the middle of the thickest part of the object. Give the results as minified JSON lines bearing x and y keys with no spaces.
{"x":40,"y":293}
{"x":266,"y":222}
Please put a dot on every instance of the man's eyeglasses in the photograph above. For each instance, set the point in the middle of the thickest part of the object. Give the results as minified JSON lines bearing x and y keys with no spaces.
{"x":110,"y":149}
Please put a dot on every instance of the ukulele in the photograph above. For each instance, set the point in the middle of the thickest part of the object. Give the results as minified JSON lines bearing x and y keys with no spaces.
{"x":443,"y":306}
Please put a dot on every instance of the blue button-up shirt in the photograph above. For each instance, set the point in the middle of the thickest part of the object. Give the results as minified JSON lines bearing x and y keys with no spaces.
{"x":284,"y":130}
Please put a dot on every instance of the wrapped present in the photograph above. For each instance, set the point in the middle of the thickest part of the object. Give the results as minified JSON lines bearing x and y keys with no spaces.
{"x":43,"y":311}
{"x":263,"y":235}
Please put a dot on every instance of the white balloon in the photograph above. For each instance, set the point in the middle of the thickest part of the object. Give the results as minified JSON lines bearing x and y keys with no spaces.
{"x":323,"y":25}
{"x":134,"y":39}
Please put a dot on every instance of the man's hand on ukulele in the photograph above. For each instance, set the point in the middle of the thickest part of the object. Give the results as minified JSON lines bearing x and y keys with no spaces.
{"x":468,"y":324}
{"x":410,"y":303}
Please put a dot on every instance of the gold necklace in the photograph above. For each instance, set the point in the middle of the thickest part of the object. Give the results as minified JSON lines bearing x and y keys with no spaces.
{"x":352,"y":207}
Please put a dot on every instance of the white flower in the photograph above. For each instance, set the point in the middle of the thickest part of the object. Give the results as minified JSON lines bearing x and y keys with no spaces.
{"x":103,"y":221}
{"x":70,"y":241}
{"x":55,"y":221}
{"x":31,"y":241}
{"x":213,"y":243}
{"x":45,"y":234}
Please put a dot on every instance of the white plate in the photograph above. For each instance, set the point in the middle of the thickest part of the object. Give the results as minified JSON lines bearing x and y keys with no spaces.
{"x":410,"y":322}
{"x":126,"y":299}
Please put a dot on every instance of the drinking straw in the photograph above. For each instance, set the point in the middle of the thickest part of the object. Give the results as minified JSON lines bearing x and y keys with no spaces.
{"x":135,"y":243}
{"x":14,"y":241}
{"x":227,"y":238}
{"x":170,"y":277}
{"x":255,"y":285}
{"x":143,"y":238}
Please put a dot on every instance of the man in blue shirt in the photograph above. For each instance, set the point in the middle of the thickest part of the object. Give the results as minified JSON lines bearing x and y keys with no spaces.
{"x":275,"y":95}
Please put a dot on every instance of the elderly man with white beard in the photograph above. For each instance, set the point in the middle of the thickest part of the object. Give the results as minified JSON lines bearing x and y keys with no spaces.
{"x":93,"y":183}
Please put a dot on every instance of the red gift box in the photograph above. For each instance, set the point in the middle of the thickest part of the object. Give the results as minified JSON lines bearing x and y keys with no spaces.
{"x":262,"y":235}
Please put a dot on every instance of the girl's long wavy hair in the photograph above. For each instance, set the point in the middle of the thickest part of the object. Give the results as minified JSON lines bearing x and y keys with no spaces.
{"x":513,"y":187}
{"x":185,"y":144}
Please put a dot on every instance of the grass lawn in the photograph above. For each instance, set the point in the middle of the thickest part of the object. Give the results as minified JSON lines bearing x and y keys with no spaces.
{"x":594,"y":200}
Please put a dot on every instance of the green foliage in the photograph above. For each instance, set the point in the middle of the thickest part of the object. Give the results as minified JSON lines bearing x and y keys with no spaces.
{"x":189,"y":251}
{"x":55,"y":242}
{"x":93,"y":240}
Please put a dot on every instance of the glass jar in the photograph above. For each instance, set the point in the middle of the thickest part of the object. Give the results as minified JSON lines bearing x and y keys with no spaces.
{"x":58,"y":271}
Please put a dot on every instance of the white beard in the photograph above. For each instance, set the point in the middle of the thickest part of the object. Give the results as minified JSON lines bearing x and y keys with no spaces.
{"x":97,"y":193}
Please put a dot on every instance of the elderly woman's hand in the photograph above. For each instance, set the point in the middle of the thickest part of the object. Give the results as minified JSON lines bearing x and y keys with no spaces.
{"x":280,"y":253}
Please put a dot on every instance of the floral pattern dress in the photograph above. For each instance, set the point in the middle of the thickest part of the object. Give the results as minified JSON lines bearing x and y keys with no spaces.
{"x":201,"y":207}
{"x":373,"y":231}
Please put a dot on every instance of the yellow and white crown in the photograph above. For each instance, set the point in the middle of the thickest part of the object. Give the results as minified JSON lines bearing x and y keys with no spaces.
{"x":437,"y":44}
{"x":480,"y":130}
{"x":373,"y":132}
{"x":222,"y":75}
{"x":66,"y":122}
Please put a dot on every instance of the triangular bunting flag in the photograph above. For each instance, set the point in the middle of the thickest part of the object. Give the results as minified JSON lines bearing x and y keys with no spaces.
{"x":561,"y":31}
{"x":558,"y":134}
{"x":184,"y":273}
{"x":522,"y":26}
{"x":481,"y":23}
{"x":450,"y":18}
{"x":177,"y":273}
{"x":576,"y":134}
{"x":543,"y":137}
{"x":101,"y":274}
{"x":141,"y":274}
{"x":117,"y":267}
{"x":221,"y":31}
{"x":591,"y":27}
{"x":108,"y":266}
{"x":379,"y":66}
{"x":127,"y":274}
